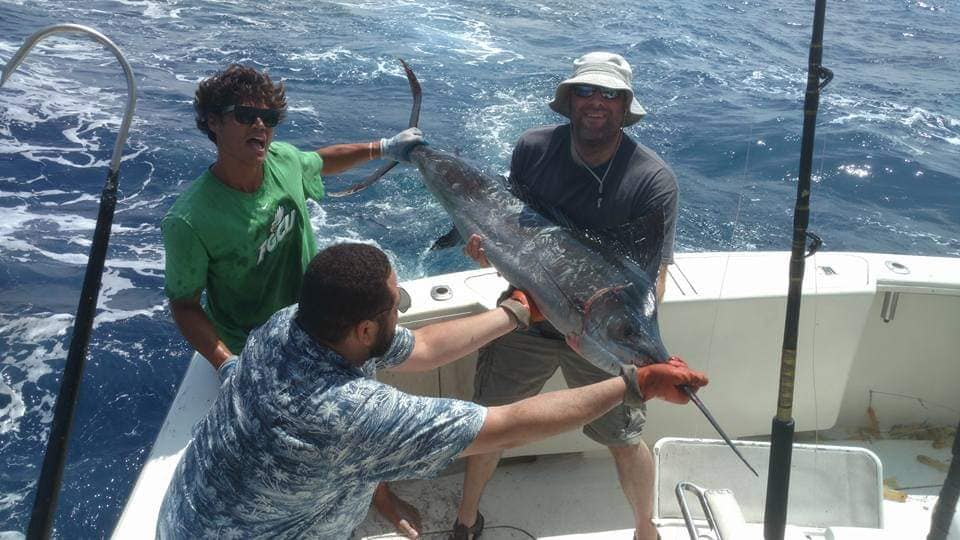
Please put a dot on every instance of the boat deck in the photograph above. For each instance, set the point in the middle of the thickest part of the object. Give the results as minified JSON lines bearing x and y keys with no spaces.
{"x":573,"y":496}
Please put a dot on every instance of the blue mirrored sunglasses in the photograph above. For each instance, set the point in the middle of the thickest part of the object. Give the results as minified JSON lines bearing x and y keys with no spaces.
{"x":248,"y":115}
{"x":586,"y":90}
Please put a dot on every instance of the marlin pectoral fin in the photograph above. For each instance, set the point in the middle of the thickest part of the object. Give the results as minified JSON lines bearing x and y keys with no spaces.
{"x":607,"y":294}
{"x":448,"y":240}
{"x":414,"y":120}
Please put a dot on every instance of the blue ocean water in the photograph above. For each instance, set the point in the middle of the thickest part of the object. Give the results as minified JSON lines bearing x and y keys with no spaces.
{"x":723,"y":82}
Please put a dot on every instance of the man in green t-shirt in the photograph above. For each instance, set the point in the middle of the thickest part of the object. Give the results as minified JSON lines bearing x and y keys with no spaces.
{"x":241,"y":231}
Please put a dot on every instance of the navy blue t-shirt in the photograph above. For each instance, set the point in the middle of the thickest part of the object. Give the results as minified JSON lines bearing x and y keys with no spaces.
{"x":638,"y":187}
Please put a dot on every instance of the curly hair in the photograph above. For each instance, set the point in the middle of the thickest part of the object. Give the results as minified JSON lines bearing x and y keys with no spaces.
{"x":343,"y":285}
{"x":233,"y":86}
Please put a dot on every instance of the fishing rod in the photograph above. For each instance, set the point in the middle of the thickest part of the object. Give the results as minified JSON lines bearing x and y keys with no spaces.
{"x":946,"y":505}
{"x":51,"y":475}
{"x":781,"y":435}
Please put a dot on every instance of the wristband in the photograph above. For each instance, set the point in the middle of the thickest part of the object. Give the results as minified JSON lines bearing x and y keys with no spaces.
{"x":632,"y":397}
{"x":520,"y":312}
{"x":227,"y":368}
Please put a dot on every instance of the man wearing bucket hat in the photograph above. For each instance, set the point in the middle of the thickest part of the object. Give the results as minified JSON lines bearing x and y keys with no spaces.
{"x":590,"y":175}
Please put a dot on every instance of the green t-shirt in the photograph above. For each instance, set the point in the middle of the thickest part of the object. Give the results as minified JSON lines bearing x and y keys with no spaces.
{"x":248,"y":250}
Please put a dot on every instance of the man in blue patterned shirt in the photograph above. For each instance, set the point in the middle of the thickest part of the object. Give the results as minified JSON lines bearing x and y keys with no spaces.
{"x":301,"y":435}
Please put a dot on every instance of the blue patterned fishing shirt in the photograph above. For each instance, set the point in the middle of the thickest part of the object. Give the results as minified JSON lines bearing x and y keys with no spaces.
{"x":297,"y":441}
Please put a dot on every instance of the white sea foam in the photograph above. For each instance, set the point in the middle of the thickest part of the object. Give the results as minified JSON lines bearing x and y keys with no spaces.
{"x":39,"y":345}
{"x":772,"y":81}
{"x":37,"y":363}
{"x":445,"y":26}
{"x":106,"y":316}
{"x":192,"y":80}
{"x":40,"y":95}
{"x":308,"y":110}
{"x":111,"y":285}
{"x":389,"y":67}
{"x":13,"y":218}
{"x":83,"y":198}
{"x":153,"y":10}
{"x":30,"y":194}
{"x":335,"y":54}
{"x":36,"y":329}
{"x":494,"y":124}
{"x":480,"y":44}
{"x":12,"y":412}
{"x":924,"y":123}
{"x":7,"y":501}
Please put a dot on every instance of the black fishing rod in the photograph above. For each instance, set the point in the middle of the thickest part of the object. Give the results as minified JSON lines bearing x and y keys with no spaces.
{"x":946,"y":505}
{"x":781,"y":433}
{"x":48,"y":486}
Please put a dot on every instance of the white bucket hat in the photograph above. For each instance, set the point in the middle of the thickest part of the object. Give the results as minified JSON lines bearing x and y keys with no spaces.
{"x":604,"y":69}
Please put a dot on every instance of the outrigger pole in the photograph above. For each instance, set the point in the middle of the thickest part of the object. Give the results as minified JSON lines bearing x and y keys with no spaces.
{"x":48,"y":486}
{"x":781,"y":435}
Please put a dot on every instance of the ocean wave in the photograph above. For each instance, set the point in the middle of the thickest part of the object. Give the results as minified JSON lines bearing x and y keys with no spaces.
{"x":495,"y":125}
{"x":921,"y":123}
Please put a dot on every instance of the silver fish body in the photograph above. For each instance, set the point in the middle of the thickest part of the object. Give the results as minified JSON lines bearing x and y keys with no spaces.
{"x":603,"y":303}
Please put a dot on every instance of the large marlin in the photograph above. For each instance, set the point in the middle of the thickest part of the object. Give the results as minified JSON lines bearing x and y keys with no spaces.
{"x":604,"y":304}
{"x":600,"y":296}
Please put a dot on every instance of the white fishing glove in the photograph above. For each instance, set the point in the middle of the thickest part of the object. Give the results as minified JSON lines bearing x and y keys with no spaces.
{"x":398,"y":147}
{"x":226,"y":369}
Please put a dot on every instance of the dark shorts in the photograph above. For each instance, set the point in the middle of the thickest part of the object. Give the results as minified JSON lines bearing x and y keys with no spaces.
{"x":517,"y":365}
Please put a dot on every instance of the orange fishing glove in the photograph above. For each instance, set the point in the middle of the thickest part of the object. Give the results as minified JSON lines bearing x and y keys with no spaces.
{"x":521,"y":296}
{"x":660,"y":381}
{"x":677,"y":361}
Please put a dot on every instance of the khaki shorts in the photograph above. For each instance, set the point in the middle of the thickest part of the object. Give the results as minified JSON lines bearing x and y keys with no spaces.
{"x":517,"y":365}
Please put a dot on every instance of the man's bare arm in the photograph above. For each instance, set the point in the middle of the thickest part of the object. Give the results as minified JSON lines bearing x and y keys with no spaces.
{"x":341,"y":157}
{"x":198,"y":330}
{"x":441,"y":343}
{"x":545,"y":415}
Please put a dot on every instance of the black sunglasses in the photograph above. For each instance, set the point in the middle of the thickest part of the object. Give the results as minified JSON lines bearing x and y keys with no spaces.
{"x":248,"y":115}
{"x":586,"y":90}
{"x":402,"y":305}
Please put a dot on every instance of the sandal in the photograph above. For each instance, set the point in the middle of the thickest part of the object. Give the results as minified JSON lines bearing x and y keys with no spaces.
{"x":462,"y":532}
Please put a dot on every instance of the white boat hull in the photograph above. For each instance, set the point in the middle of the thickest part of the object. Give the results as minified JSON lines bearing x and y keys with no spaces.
{"x":723,"y":313}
